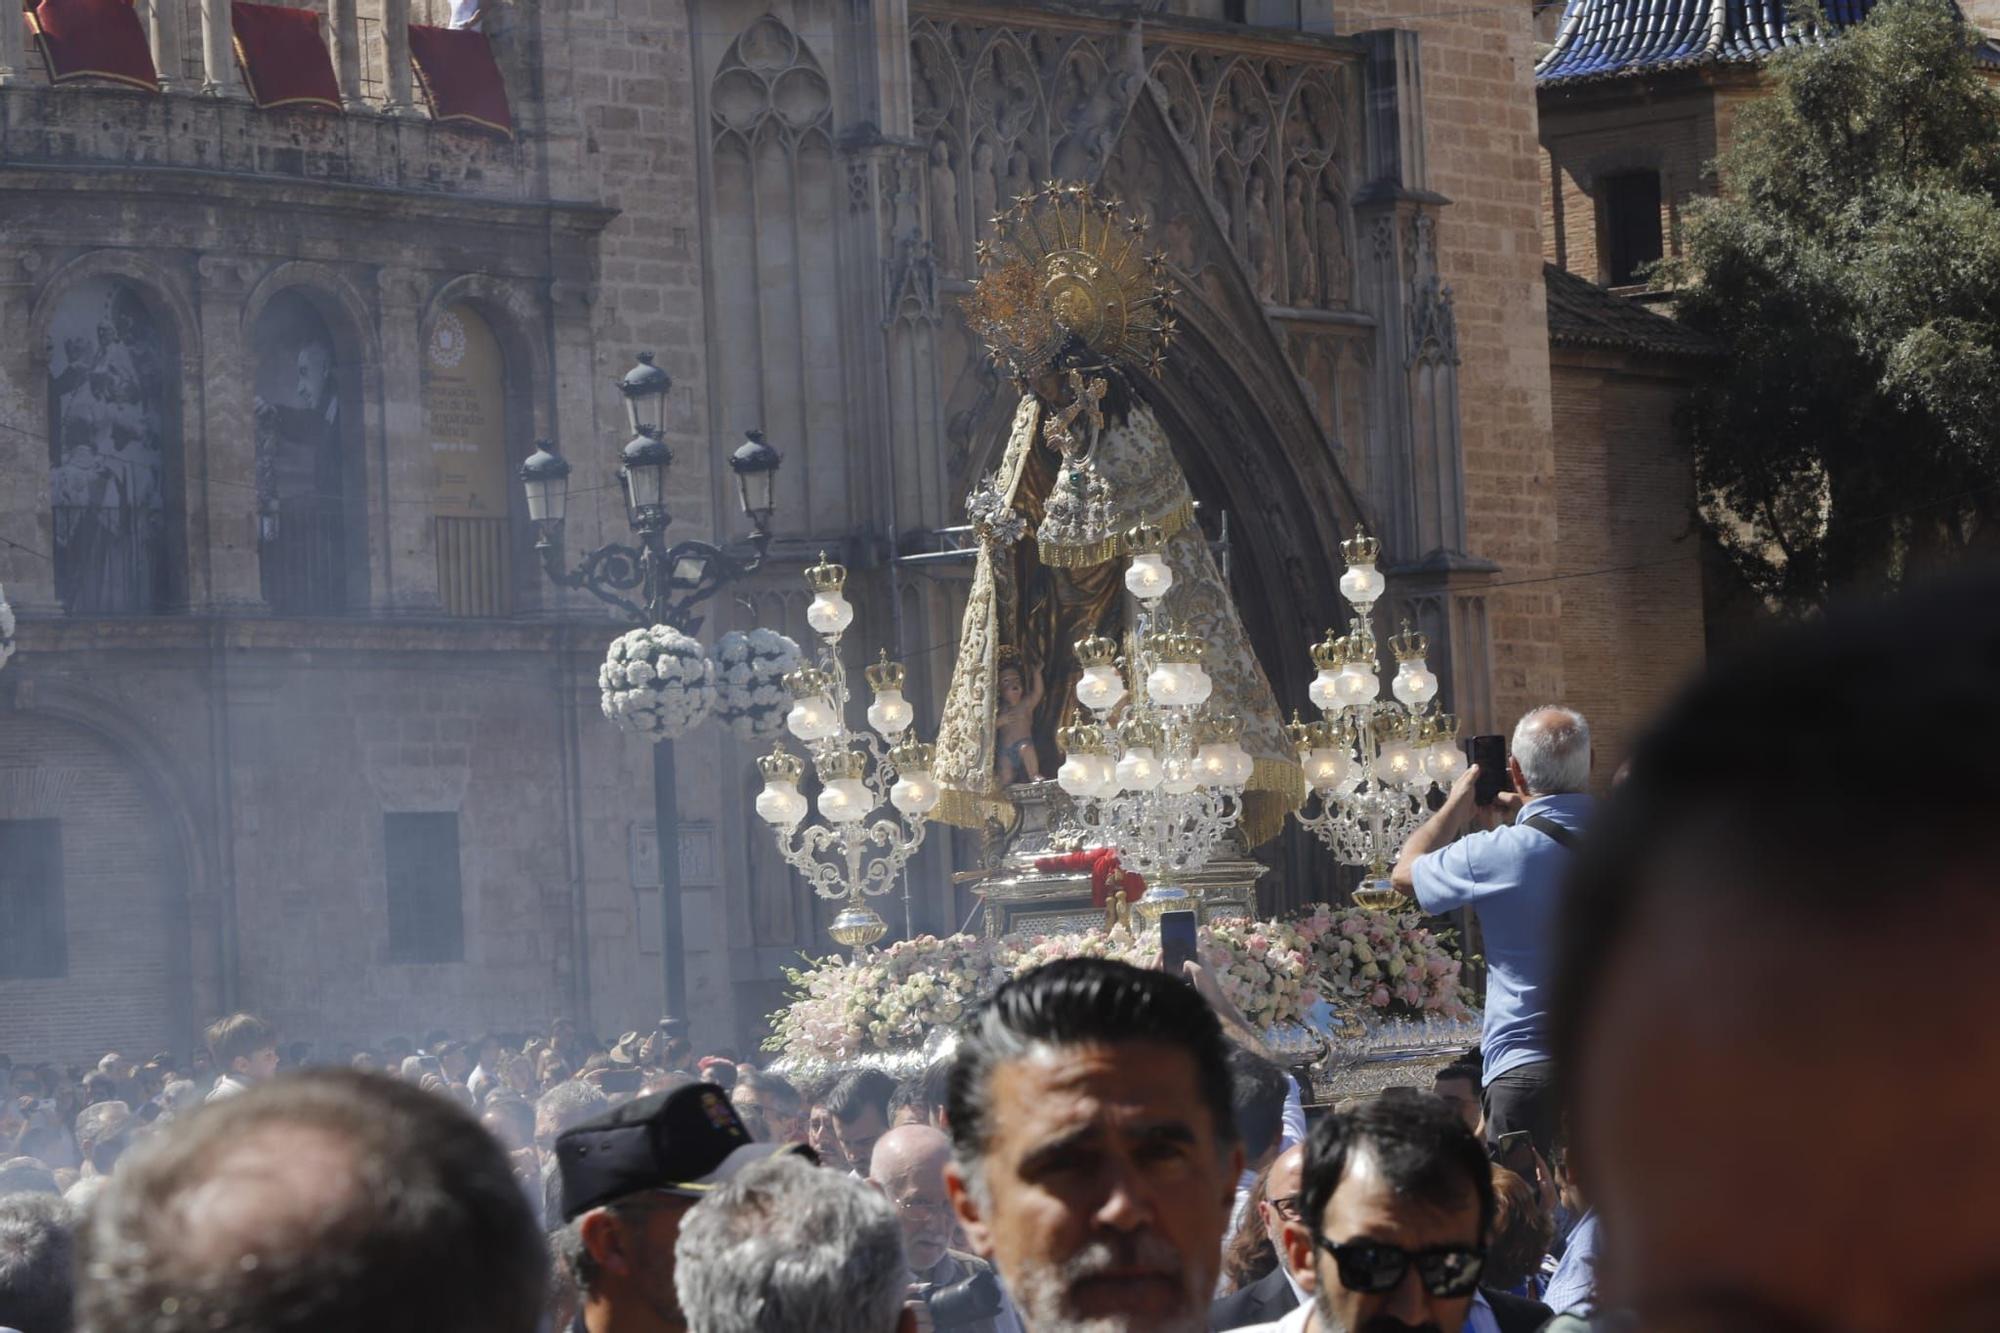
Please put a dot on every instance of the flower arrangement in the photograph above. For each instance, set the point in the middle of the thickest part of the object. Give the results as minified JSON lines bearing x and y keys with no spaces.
{"x":1276,"y":972}
{"x":6,"y":629}
{"x":656,"y":682}
{"x":750,"y":669}
{"x":1390,"y":964}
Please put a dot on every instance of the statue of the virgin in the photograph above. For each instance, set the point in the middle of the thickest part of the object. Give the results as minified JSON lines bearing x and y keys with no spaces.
{"x":1076,"y":310}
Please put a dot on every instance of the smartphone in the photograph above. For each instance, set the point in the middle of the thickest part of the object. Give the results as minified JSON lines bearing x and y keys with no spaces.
{"x":1490,"y":753}
{"x":1177,"y":941}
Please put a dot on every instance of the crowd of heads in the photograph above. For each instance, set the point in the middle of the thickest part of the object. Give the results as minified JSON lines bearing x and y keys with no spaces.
{"x":1105,"y":1150}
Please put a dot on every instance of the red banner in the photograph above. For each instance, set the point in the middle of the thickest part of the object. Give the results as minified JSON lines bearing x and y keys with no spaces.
{"x":285,"y":60}
{"x":460,"y":77}
{"x":93,"y":39}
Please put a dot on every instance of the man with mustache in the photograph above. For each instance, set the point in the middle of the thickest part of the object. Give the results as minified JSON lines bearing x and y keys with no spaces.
{"x":1395,"y":1209}
{"x":1094,"y":1154}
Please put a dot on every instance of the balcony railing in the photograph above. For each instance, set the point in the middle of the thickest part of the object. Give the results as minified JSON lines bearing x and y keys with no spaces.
{"x":302,"y":557}
{"x":112,"y":560}
{"x":472,"y":566}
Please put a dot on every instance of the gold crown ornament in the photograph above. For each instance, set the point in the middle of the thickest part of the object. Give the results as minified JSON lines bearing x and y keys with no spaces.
{"x":1146,"y":539}
{"x":1329,"y":653}
{"x":826,"y":576}
{"x":1362,"y":549}
{"x":1409,"y":645}
{"x":1081,"y":738}
{"x":913,"y":756}
{"x":807,"y":682}
{"x":781,"y":765}
{"x":885,"y":675}
{"x":1096,"y":651}
{"x":1067,"y":264}
{"x":842,"y":764}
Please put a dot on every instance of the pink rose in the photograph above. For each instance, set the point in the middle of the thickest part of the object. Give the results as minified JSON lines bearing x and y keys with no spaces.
{"x":1379,"y":997}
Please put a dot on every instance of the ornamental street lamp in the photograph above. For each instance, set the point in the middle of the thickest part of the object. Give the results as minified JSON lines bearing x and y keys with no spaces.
{"x":667,"y":585}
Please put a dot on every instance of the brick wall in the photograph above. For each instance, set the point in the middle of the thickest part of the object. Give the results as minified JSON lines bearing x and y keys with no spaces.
{"x":1624,"y":489}
{"x":1480,"y":139}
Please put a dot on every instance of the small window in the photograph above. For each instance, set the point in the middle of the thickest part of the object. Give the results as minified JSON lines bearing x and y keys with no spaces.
{"x":1632,"y":224}
{"x":33,"y":942}
{"x":426,"y":910}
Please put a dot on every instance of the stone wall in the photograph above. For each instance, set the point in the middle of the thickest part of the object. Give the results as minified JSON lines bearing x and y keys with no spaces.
{"x":1628,"y":557}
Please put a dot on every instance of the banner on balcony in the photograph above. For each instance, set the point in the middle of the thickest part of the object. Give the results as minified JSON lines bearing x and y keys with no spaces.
{"x":465,"y":416}
{"x":284,"y":58}
{"x":460,"y":78}
{"x":93,"y":39}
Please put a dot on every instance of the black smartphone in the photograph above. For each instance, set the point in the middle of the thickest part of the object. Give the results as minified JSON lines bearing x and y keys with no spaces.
{"x":1490,"y":753}
{"x":621,"y":1080}
{"x":1177,"y":941}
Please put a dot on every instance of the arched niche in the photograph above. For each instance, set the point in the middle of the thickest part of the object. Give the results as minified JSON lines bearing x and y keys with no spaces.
{"x":310,"y":471}
{"x":115,"y":368}
{"x":463,"y":476}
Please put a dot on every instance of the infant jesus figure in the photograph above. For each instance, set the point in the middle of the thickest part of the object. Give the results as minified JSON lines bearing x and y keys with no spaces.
{"x":1014,"y":757}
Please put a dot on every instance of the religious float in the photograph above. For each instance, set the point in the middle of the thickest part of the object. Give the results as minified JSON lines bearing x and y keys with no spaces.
{"x":1108,"y":725}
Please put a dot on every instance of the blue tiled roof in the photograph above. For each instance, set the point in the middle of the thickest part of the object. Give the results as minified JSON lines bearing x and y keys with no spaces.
{"x":1602,"y":38}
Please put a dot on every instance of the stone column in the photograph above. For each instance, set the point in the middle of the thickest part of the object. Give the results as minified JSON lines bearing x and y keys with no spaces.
{"x":396,"y":57}
{"x":404,"y":575}
{"x":165,"y":25}
{"x":344,"y":23}
{"x":219,"y":447}
{"x":218,"y":55}
{"x":13,"y":55}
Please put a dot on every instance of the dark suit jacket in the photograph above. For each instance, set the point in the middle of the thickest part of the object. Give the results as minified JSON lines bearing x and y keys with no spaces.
{"x":1269,"y":1297}
{"x":1517,"y":1314}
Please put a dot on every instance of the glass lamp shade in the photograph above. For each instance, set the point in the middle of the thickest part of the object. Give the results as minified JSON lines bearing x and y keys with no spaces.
{"x":1242,"y":766}
{"x":1171,"y":685}
{"x":1414,"y":684}
{"x":846,"y":801}
{"x":645,"y":388}
{"x":780,"y":804}
{"x":755,"y":464}
{"x":1200,"y":684}
{"x":646,"y":458}
{"x":830,"y":613}
{"x":1362,"y":585}
{"x":812,"y":718}
{"x":1397,"y":763}
{"x":1078,"y":775}
{"x":1179,"y":776}
{"x":1356,"y":684}
{"x":1100,"y":688}
{"x":915,"y":793}
{"x":1327,"y":767}
{"x":1443,"y":762}
{"x":545,"y":478}
{"x":1138,"y":770}
{"x":1103,"y":775}
{"x":1325,"y":690}
{"x":1148,"y":577}
{"x":1212,"y":763}
{"x":891,"y":714}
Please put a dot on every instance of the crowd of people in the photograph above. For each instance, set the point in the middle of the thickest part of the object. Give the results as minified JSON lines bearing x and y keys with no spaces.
{"x":1734,"y":1069}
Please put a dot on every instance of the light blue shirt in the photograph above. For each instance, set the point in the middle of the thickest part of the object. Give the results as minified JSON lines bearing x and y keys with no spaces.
{"x":1510,"y":876}
{"x":1573,"y":1289}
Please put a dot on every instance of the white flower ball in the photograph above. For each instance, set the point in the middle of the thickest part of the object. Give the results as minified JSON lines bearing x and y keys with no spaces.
{"x":664,"y":686}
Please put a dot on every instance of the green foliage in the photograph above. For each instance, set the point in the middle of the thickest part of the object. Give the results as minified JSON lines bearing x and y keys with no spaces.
{"x":1850,"y":274}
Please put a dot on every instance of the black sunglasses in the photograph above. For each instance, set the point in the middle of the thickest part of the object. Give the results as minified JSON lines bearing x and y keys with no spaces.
{"x":1368,"y":1266}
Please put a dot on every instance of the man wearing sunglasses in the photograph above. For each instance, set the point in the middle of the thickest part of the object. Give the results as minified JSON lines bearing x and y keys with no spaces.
{"x":1395,"y":1207}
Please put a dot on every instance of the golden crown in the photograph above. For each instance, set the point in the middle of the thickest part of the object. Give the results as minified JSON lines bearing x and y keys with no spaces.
{"x":885,"y":675}
{"x":826,"y":576}
{"x":1409,"y":645}
{"x":1065,"y":264}
{"x":1096,"y":651}
{"x":1146,"y":539}
{"x":1141,"y":731}
{"x":806,"y":682}
{"x":1220,"y":729}
{"x":913,"y":756}
{"x":842,"y":764}
{"x":1310,"y":735}
{"x":1329,"y":652}
{"x":1362,"y":549}
{"x":1439,"y":727}
{"x":781,"y":765}
{"x":1080,"y":738}
{"x":1391,"y":727}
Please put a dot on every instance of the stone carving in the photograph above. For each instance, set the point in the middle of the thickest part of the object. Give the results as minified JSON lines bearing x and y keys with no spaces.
{"x":946,"y":240}
{"x":1433,"y":324}
{"x":1304,"y":288}
{"x":1094,"y":102}
{"x":985,"y":189}
{"x":1336,"y":270}
{"x":1257,"y":235}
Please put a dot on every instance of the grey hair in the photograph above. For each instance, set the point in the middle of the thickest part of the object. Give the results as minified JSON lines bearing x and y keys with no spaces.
{"x":786,"y":1246}
{"x":1552,"y":745}
{"x":572,"y":1103}
{"x":37,"y":1249}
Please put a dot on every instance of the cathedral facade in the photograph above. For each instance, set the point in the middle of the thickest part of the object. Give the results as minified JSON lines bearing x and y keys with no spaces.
{"x":298,"y":725}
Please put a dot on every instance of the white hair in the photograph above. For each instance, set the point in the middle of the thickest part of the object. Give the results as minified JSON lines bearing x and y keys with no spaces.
{"x":1552,"y":746}
{"x":788,"y":1246}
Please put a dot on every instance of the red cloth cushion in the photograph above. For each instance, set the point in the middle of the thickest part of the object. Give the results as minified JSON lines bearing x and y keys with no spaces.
{"x":93,"y":39}
{"x":460,"y":77}
{"x":285,"y":61}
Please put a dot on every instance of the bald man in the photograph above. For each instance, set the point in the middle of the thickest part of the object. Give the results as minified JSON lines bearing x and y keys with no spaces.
{"x":908,"y":1166}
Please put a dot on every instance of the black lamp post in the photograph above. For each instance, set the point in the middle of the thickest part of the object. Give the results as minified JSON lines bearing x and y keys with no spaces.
{"x":668,"y":583}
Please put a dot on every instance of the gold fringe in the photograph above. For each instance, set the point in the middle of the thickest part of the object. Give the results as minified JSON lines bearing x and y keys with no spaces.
{"x":971,"y":810}
{"x":1276,"y":787}
{"x":1097,"y":552}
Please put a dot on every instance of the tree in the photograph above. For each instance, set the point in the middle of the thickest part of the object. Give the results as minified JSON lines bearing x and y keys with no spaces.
{"x":1849,"y":273}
